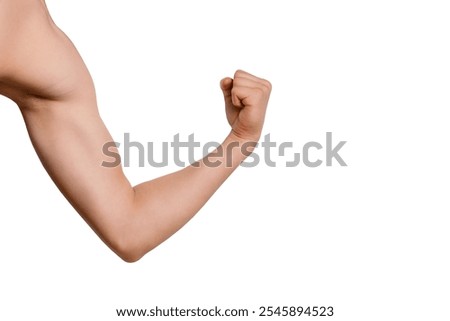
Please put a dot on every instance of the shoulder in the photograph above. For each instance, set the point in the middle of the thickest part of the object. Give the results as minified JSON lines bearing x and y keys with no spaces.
{"x":19,"y":19}
{"x":22,"y":22}
{"x":37,"y":58}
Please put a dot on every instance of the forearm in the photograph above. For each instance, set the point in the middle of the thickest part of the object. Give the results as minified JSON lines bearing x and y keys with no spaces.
{"x":176,"y":198}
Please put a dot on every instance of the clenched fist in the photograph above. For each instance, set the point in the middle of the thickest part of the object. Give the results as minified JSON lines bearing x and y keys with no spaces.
{"x":246,"y":97}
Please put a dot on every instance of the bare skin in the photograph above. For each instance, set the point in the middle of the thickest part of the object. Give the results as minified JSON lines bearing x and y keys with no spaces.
{"x":42,"y":72}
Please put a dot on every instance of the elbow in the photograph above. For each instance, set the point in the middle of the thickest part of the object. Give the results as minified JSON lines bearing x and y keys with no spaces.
{"x":126,"y":237}
{"x":129,"y":256}
{"x":128,"y":249}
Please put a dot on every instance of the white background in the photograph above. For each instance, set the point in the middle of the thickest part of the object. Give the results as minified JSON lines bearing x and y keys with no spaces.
{"x":370,"y":239}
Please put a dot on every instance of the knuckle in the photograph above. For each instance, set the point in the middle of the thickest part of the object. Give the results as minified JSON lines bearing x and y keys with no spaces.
{"x":236,"y":81}
{"x":238,"y":73}
{"x":267,"y":84}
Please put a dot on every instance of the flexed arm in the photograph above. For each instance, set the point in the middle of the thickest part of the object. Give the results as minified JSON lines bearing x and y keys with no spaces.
{"x":43,"y":73}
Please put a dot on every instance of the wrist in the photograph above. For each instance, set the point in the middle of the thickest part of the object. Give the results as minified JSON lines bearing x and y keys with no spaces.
{"x":244,"y":138}
{"x":245,"y":144}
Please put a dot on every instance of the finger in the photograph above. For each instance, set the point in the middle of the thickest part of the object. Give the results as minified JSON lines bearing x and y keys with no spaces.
{"x":240,"y":95}
{"x":235,"y":99}
{"x":239,"y":74}
{"x":246,"y":82}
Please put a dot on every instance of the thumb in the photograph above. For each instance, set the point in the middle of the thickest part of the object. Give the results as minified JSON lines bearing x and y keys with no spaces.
{"x":226,"y":84}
